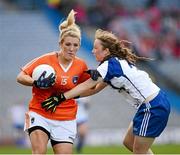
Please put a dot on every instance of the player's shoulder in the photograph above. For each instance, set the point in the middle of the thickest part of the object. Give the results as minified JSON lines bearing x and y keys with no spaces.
{"x":117,"y":61}
{"x":49,"y":54}
{"x":113,"y":63}
{"x":109,"y":62}
{"x":80,"y":60}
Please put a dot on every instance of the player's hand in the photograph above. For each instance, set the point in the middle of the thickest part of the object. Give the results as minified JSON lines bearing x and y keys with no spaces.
{"x":44,"y":83}
{"x":52,"y":102}
{"x":94,"y":74}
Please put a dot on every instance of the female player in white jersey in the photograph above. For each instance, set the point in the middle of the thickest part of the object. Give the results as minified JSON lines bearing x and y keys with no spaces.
{"x":117,"y":69}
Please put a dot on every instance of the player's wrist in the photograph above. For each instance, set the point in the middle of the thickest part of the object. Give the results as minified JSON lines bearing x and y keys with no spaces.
{"x":35,"y":83}
{"x":61,"y":97}
{"x":76,"y":97}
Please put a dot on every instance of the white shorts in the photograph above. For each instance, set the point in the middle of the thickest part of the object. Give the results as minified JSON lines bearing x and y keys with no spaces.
{"x":60,"y":131}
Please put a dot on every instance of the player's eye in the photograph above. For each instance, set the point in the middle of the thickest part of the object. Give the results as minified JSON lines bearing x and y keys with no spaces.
{"x":76,"y":45}
{"x":68,"y":44}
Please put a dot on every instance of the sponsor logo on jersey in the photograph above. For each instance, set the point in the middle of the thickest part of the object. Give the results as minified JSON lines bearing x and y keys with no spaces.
{"x":75,"y":79}
{"x":32,"y":120}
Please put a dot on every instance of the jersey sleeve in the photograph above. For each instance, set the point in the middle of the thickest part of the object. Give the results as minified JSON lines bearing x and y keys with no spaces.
{"x":102,"y":69}
{"x":110,"y":69}
{"x":29,"y":67}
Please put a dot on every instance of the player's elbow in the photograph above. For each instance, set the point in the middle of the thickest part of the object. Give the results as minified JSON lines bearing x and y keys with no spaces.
{"x":18,"y":78}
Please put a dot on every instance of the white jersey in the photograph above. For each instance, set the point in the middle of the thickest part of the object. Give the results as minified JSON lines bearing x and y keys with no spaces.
{"x":124,"y":76}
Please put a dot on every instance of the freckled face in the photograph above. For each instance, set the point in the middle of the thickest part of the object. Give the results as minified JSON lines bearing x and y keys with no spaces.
{"x":98,"y":51}
{"x":69,"y":47}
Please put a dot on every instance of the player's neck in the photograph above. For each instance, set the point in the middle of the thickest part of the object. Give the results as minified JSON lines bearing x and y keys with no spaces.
{"x":64,"y":62}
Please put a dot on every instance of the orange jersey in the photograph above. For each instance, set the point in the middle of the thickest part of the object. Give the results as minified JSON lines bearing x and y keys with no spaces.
{"x":66,"y":79}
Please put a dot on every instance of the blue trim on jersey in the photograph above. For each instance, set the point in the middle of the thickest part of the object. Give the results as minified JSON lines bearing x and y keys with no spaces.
{"x":114,"y":69}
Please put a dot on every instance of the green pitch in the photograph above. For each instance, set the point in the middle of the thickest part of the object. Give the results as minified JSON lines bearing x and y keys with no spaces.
{"x":157,"y":149}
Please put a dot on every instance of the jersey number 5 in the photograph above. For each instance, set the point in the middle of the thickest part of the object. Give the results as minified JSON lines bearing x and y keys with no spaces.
{"x":64,"y":81}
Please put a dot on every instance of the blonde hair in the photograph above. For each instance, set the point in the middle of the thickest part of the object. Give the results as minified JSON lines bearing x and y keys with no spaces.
{"x":69,"y":28}
{"x":117,"y":48}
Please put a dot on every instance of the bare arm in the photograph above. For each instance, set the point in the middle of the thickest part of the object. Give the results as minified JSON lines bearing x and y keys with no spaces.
{"x":94,"y":90}
{"x":24,"y":79}
{"x":84,"y":88}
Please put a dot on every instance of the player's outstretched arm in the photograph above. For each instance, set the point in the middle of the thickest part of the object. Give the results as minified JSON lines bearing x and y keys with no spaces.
{"x":94,"y":90}
{"x":83,"y":88}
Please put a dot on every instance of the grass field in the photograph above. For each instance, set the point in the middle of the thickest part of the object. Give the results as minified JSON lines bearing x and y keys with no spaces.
{"x":157,"y":149}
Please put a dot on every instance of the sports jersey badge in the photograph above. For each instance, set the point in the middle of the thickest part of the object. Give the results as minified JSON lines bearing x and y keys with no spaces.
{"x":75,"y":79}
{"x":32,"y":120}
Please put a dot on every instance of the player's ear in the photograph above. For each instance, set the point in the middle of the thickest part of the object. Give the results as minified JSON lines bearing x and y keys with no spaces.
{"x":107,"y":52}
{"x":61,"y":42}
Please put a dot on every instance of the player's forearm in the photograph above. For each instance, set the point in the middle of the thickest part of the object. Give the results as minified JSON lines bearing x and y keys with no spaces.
{"x":94,"y":90}
{"x":77,"y":91}
{"x":80,"y":89}
{"x":88,"y":92}
{"x":25,"y":79}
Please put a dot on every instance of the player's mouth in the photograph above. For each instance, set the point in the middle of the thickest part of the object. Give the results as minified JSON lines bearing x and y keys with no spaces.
{"x":71,"y":54}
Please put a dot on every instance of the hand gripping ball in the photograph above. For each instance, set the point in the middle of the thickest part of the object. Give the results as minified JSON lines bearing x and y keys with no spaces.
{"x":37,"y":72}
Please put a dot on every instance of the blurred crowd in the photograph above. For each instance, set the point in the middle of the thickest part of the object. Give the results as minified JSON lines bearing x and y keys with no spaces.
{"x":153,"y":26}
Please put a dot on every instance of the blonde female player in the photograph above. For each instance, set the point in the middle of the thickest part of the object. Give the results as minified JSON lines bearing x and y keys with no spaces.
{"x":117,"y":69}
{"x":59,"y":124}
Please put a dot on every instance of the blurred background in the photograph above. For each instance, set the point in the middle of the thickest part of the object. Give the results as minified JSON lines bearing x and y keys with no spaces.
{"x":29,"y":28}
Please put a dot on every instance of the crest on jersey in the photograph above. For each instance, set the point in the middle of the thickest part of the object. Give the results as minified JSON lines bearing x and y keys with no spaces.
{"x":32,"y":120}
{"x":75,"y":79}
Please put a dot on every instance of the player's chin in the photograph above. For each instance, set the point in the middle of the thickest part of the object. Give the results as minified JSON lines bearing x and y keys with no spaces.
{"x":70,"y":57}
{"x":98,"y":60}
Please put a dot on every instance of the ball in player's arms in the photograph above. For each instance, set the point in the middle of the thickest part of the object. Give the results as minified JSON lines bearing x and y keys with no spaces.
{"x":44,"y":76}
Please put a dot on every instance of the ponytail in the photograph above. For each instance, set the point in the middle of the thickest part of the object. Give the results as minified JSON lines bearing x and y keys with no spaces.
{"x":69,"y":27}
{"x":118,"y":48}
